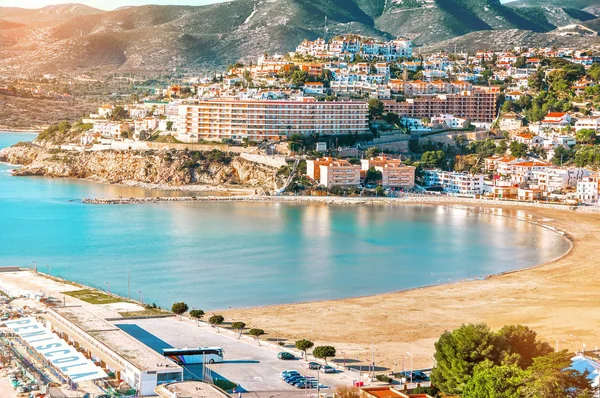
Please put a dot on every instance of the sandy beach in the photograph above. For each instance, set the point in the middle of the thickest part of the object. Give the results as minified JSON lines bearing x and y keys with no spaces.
{"x":560,"y":300}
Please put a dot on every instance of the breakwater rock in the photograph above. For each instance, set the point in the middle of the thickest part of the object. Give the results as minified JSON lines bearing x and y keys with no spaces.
{"x":338,"y":200}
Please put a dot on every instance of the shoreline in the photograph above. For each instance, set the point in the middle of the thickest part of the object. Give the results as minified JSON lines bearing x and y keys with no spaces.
{"x":19,"y":131}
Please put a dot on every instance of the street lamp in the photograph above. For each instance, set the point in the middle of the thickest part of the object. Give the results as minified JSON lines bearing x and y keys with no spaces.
{"x":141,"y":296}
{"x":411,"y":366}
{"x":34,"y":266}
{"x":49,"y":269}
{"x":108,"y":284}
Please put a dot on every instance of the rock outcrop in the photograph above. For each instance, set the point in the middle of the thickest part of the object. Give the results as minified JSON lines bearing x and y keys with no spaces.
{"x":166,"y":167}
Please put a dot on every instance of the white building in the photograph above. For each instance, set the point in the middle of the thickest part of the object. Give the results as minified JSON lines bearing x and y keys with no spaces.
{"x":455,"y":183}
{"x":590,"y":122}
{"x":588,"y":190}
{"x":451,"y":121}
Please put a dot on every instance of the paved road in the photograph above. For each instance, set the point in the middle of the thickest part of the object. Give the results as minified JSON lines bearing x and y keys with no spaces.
{"x":254,"y":368}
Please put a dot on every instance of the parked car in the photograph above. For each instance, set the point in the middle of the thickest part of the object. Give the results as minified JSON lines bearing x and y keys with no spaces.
{"x":327,"y":369}
{"x":291,"y":379}
{"x":295,"y":379}
{"x":418,"y":375}
{"x":313,"y":365}
{"x":288,"y":373}
{"x":306,"y":384}
{"x":285,"y":355}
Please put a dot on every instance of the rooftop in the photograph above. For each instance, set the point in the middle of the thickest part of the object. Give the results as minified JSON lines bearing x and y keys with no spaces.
{"x":129,"y":348}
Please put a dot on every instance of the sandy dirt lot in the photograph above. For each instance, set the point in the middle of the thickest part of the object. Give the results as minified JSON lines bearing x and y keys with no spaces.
{"x":560,"y":300}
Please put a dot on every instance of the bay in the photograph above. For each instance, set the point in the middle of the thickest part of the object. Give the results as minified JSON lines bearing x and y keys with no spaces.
{"x":220,"y":255}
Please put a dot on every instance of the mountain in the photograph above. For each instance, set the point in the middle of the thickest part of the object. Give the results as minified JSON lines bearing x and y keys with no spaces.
{"x":79,"y":38}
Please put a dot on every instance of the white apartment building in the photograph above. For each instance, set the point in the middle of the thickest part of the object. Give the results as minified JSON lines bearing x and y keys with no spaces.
{"x":510,"y":121}
{"x":556,"y":179}
{"x":366,"y":47}
{"x":590,"y":122}
{"x":110,"y":129}
{"x":258,"y":120}
{"x":588,"y":190}
{"x":455,"y":183}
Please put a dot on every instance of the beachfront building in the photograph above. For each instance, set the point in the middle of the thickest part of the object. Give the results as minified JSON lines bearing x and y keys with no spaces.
{"x":394,"y":174}
{"x":554,"y":179}
{"x":588,"y":190}
{"x":113,"y":350}
{"x":330,"y":172}
{"x":257,"y":120}
{"x":477,"y":106}
{"x":454,"y":183}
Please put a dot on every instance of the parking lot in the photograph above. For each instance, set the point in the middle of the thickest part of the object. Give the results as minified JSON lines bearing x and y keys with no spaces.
{"x":254,"y":367}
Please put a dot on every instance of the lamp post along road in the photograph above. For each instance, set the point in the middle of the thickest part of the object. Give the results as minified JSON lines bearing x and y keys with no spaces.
{"x":107,"y":284}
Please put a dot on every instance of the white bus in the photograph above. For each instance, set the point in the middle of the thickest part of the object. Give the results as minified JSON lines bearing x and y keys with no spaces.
{"x":197,"y":355}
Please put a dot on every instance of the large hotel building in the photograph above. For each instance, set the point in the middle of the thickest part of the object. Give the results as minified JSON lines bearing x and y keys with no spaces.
{"x":272,"y":119}
{"x":477,"y":106}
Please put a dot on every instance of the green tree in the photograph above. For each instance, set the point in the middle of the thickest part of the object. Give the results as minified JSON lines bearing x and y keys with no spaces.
{"x":562,"y":155}
{"x":392,"y":118}
{"x":304,"y":345}
{"x":433,"y":159}
{"x":504,"y":381}
{"x":458,"y":352}
{"x":501,"y":148}
{"x":119,"y":113}
{"x":523,"y":341}
{"x":486,"y":75}
{"x":169,"y":125}
{"x":520,"y":62}
{"x":536,"y":80}
{"x":124,"y":134}
{"x":197,"y":314}
{"x":594,"y":71}
{"x":372,"y":152}
{"x":508,"y":106}
{"x":324,"y":352}
{"x":216,"y":320}
{"x":550,"y":376}
{"x":179,"y":308}
{"x":376,"y":108}
{"x":299,"y":77}
{"x":238,"y":327}
{"x":256,"y":333}
{"x":518,"y":149}
{"x":372,"y":175}
{"x":586,"y":136}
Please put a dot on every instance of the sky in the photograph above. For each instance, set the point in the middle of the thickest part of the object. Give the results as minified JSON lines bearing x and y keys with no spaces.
{"x":103,"y":4}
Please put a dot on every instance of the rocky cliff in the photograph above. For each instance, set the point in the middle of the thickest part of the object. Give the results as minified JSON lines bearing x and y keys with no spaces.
{"x":168,"y":167}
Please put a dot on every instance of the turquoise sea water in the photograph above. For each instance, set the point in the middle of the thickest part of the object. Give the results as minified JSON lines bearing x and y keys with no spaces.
{"x":219,"y":255}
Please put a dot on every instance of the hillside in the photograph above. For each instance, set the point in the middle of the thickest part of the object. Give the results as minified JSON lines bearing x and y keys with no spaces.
{"x":507,"y":39}
{"x":79,"y":38}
